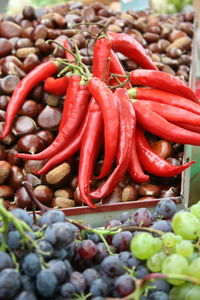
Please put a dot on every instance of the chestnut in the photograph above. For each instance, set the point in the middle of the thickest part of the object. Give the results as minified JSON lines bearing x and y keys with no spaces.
{"x":22,"y":199}
{"x":30,"y":143}
{"x":23,"y":125}
{"x":44,"y":194}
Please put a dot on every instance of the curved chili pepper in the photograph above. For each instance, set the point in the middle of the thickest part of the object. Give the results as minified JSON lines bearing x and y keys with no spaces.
{"x":77,"y":99}
{"x":127,"y":129}
{"x":164,"y":97}
{"x":101,"y":60}
{"x":188,"y":127}
{"x":90,"y":148}
{"x":69,"y":150}
{"x":56,"y":86}
{"x":172,"y":113}
{"x":68,"y":55}
{"x":163,"y":81}
{"x":153,"y":163}
{"x":157,"y":125}
{"x":129,"y":47}
{"x":135,"y":170}
{"x":24,"y":87}
{"x":116,"y":68}
{"x":106,"y":100}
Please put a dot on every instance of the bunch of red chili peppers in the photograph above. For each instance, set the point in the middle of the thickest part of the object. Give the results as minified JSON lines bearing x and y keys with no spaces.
{"x":104,"y":112}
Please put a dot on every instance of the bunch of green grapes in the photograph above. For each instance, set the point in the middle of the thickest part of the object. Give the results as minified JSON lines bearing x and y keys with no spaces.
{"x":174,"y":253}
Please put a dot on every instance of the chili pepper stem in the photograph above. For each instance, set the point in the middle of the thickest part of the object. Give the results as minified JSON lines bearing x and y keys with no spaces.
{"x":132,"y":93}
{"x":52,"y":41}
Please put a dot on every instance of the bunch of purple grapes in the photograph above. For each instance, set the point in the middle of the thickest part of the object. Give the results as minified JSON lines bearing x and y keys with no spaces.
{"x":60,"y":259}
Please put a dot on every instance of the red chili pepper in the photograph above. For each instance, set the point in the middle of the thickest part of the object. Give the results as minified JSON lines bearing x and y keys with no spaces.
{"x":135,"y":169}
{"x":116,"y":68}
{"x":171,"y":113}
{"x":127,"y":129}
{"x":164,"y":97}
{"x":101,"y":60}
{"x":188,"y":127}
{"x":56,"y":86}
{"x":68,"y":55}
{"x":129,"y":47}
{"x":90,"y":148}
{"x":109,"y":108}
{"x":163,"y":81}
{"x":77,"y":99}
{"x":24,"y":87}
{"x":153,"y":163}
{"x":76,"y":108}
{"x":157,"y":125}
{"x":69,"y":150}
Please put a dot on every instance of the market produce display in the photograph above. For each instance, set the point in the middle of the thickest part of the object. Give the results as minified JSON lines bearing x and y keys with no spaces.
{"x":87,"y":57}
{"x":140,"y":256}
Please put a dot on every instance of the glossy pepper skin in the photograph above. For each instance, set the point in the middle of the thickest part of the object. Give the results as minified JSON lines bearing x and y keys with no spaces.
{"x":165,"y":98}
{"x":153,"y":163}
{"x":129,"y":47}
{"x":163,"y":81}
{"x":24,"y":87}
{"x":56,"y":86}
{"x":117,"y":68}
{"x":171,"y":113}
{"x":101,"y":60}
{"x":76,"y":100}
{"x":127,"y":129}
{"x":90,"y":149}
{"x":109,"y":108}
{"x":157,"y":125}
{"x":68,"y":151}
{"x":135,"y":170}
{"x":92,"y":140}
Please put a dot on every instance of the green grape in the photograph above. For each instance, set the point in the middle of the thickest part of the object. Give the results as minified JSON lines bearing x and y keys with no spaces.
{"x":193,"y":256}
{"x":185,"y":248}
{"x":194,"y":268}
{"x":193,"y":293}
{"x":169,"y":240}
{"x":195,"y":210}
{"x":175,"y":264}
{"x":179,"y":292}
{"x":178,"y":238}
{"x":142,"y":245}
{"x":186,"y":225}
{"x":157,"y":244}
{"x":154,"y":263}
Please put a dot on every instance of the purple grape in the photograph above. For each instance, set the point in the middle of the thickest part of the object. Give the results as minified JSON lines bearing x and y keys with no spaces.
{"x":124,"y":216}
{"x":87,"y":249}
{"x":121,"y":241}
{"x":78,"y":281}
{"x":166,"y":208}
{"x":99,"y":287}
{"x":90,"y":275}
{"x":46,"y":283}
{"x":112,"y":266}
{"x":101,"y":252}
{"x":60,"y":234}
{"x":58,"y":268}
{"x":113,"y":223}
{"x":141,"y":272}
{"x":143,"y":217}
{"x":52,"y":216}
{"x":157,"y":295}
{"x":162,"y":225}
{"x":67,"y":290}
{"x":125,"y":285}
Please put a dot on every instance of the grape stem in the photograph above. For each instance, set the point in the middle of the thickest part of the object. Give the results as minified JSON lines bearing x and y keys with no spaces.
{"x":34,"y":200}
{"x":115,"y":230}
{"x":141,"y":283}
{"x":168,"y":276}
